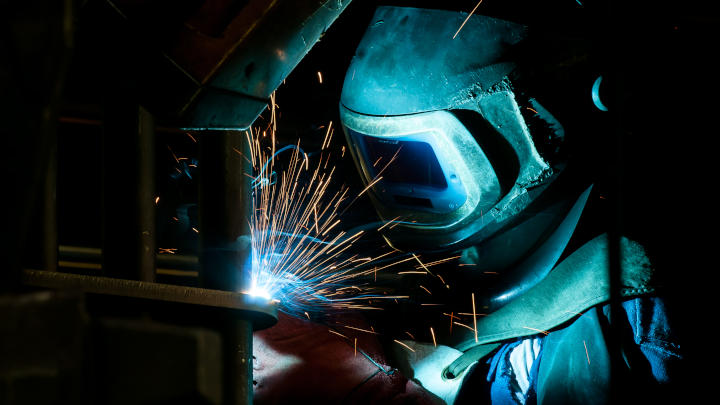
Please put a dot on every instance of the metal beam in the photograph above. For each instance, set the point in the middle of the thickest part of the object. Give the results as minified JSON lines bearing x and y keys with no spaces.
{"x":260,"y":312}
{"x":225,"y":206}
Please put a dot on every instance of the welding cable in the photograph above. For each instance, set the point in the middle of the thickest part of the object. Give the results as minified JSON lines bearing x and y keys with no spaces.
{"x":258,"y":181}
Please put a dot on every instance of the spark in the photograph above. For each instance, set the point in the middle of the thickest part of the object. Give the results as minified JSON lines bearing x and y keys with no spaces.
{"x":301,"y":255}
{"x":573,"y":312}
{"x":452,"y":316}
{"x":466,"y":19}
{"x":586,"y":352}
{"x":191,"y":137}
{"x":242,"y":154}
{"x":474,"y":317}
{"x":463,"y":325}
{"x":544,"y":332}
{"x":372,"y":183}
{"x":404,"y":345}
{"x":421,"y":264}
{"x":157,"y":200}
{"x":388,"y":223}
{"x":319,"y":77}
{"x":436,"y":262}
{"x":377,"y":178}
{"x":410,"y":334}
{"x":395,"y":224}
{"x":337,"y":333}
{"x":328,"y":136}
{"x":173,"y":154}
{"x":360,"y":329}
{"x":428,"y":291}
{"x":432,"y":332}
{"x":355,"y":348}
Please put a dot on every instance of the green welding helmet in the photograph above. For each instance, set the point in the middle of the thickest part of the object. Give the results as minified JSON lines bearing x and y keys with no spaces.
{"x":437,"y":131}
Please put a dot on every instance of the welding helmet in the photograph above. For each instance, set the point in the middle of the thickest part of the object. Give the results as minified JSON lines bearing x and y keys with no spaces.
{"x":437,"y":130}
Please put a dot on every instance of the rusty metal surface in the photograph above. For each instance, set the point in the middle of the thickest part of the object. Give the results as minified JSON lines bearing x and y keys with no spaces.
{"x":261,"y":312}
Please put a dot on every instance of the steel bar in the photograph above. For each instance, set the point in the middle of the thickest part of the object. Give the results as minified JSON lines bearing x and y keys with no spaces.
{"x":260,"y":312}
{"x":224,"y":204}
{"x":237,"y":367}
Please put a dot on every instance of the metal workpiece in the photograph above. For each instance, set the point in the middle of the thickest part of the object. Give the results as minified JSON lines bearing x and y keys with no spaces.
{"x":128,"y":189}
{"x":225,"y":205}
{"x":260,"y":312}
{"x":206,"y":65}
{"x":237,"y":361}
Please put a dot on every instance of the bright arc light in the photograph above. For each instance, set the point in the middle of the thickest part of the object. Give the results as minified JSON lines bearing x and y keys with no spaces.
{"x":300,"y":255}
{"x":257,"y":291}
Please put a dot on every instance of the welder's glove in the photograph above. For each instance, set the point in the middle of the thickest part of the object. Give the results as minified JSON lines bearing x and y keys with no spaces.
{"x":298,"y":360}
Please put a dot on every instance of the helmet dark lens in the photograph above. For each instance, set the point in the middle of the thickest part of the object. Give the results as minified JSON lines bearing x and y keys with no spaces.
{"x":406,"y":162}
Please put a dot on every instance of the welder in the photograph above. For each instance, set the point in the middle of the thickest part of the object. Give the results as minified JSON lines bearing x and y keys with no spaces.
{"x":477,"y":165}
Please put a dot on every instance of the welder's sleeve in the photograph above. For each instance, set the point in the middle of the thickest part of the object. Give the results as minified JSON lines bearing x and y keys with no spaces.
{"x":298,"y":360}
